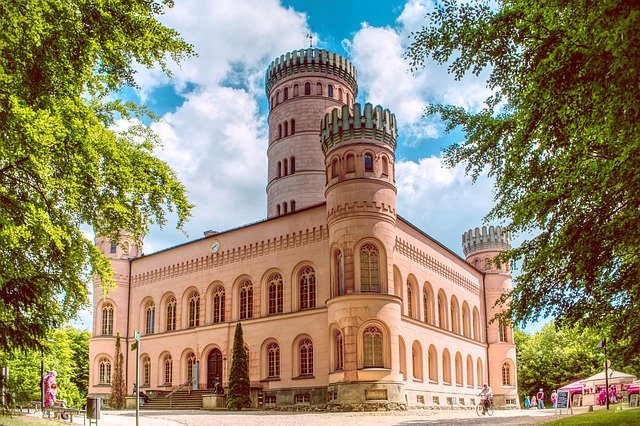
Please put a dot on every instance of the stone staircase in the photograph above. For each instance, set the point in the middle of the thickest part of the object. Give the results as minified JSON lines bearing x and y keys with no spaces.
{"x":180,"y":400}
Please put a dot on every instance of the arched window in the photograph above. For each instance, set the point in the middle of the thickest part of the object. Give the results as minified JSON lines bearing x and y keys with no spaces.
{"x":194,"y":309}
{"x":442,"y":311}
{"x":385,"y":166}
{"x":218,"y":305}
{"x":466,"y":321}
{"x":307,"y":280}
{"x":368,"y":162}
{"x":506,"y":375}
{"x":330,"y":91}
{"x":278,"y":210}
{"x":273,"y":102}
{"x":416,"y":355}
{"x":348,"y":99}
{"x":455,"y":315}
{"x":113,"y":248}
{"x":334,"y":168}
{"x":279,"y":169}
{"x":372,"y":340}
{"x":433,"y":364}
{"x":446,"y":367}
{"x":339,"y":271}
{"x":307,"y":88}
{"x":284,"y":208}
{"x":276,"y":297}
{"x":476,"y":324}
{"x":306,"y":356}
{"x":296,"y":90}
{"x":273,"y":360}
{"x":279,"y":131}
{"x":171,"y":314}
{"x":409,"y":300}
{"x":191,"y":360}
{"x":459,"y":375}
{"x":107,"y":319}
{"x":286,"y":93}
{"x":402,"y":350}
{"x":426,"y":302}
{"x":104,"y":368}
{"x":168,"y":370}
{"x":339,"y":348}
{"x":285,"y":165}
{"x":246,"y":300}
{"x":146,"y":371}
{"x":150,"y":310}
{"x":277,"y":97}
{"x":502,"y":331}
{"x":351,"y":163}
{"x":286,"y":128}
{"x":292,"y":161}
{"x":469,"y":371}
{"x":319,"y":88}
{"x":293,"y":206}
{"x":369,"y":268}
{"x":340,"y":94}
{"x":479,"y":372}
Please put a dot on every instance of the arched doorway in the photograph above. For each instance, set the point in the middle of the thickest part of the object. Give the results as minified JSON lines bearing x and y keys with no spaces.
{"x":214,"y":367}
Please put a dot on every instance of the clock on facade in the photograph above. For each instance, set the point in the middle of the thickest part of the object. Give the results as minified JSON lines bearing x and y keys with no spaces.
{"x":215,"y":246}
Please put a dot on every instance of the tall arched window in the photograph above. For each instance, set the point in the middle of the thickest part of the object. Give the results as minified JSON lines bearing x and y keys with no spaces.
{"x":433,"y":364}
{"x":275,"y":289}
{"x":146,"y":371}
{"x":279,"y":169}
{"x":466,"y":321}
{"x":246,"y":300}
{"x":278,"y":210}
{"x":506,"y":375}
{"x":293,"y":132}
{"x":455,"y":315}
{"x":292,"y":161}
{"x":416,"y":354}
{"x":293,"y":206}
{"x":279,"y":131}
{"x":306,"y":357}
{"x":319,"y":88}
{"x":191,"y":361}
{"x":171,"y":314}
{"x":368,"y":162}
{"x":340,"y":94}
{"x":296,"y":90}
{"x":330,"y":91}
{"x":479,"y":372}
{"x":218,"y":305}
{"x":334,"y":168}
{"x":284,"y":208}
{"x":107,"y":319}
{"x":402,"y":355}
{"x":150,"y":311}
{"x":307,"y":88}
{"x":339,"y":269}
{"x":194,"y":309}
{"x":442,"y":311}
{"x":459,"y":374}
{"x":409,"y":300}
{"x":104,"y":368}
{"x":426,"y":302}
{"x":285,"y":165}
{"x":351,"y":163}
{"x":372,"y":340}
{"x":385,"y":166}
{"x":273,"y":360}
{"x":168,"y":370}
{"x":286,"y":93}
{"x":502,"y":331}
{"x":446,"y":367}
{"x":369,"y":268}
{"x":339,"y":349}
{"x":113,"y":248}
{"x":476,"y":324}
{"x":286,"y":128}
{"x":469,"y":371}
{"x":307,"y":280}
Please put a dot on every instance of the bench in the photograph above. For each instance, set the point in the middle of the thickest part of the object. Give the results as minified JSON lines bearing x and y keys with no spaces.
{"x":58,"y":410}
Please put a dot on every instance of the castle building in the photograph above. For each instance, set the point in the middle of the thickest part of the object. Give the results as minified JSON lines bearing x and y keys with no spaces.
{"x":341,"y":300}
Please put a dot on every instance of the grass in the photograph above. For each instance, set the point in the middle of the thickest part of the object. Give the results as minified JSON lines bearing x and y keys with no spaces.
{"x":22,"y":420}
{"x":613,"y":417}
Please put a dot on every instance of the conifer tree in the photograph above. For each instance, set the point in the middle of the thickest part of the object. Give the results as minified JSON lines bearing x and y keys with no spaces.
{"x":118,"y":388}
{"x":239,"y":395}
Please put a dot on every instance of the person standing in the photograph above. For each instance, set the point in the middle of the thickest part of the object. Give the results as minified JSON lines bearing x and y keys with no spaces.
{"x":527,"y":402}
{"x":540,"y":398}
{"x":554,"y":399}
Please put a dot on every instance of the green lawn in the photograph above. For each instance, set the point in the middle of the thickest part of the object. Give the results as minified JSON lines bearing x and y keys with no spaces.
{"x":18,"y":420}
{"x":614,"y":417}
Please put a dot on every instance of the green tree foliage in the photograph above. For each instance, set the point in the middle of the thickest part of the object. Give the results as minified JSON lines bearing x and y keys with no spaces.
{"x":561,"y":136}
{"x":239,"y":394}
{"x":61,"y":164}
{"x":553,"y":357}
{"x":66,"y":351}
{"x":118,"y":385}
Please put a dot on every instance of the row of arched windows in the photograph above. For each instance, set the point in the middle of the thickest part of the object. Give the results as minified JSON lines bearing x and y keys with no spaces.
{"x":293,"y":91}
{"x":286,"y":167}
{"x":306,"y":292}
{"x":341,"y":166}
{"x":285,"y":207}
{"x":463,"y":321}
{"x":370,"y":275}
{"x":288,"y":128}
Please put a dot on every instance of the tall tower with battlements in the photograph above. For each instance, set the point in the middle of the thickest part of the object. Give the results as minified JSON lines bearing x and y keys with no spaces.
{"x":302,"y":86}
{"x":481,"y":246}
{"x":359,"y":145}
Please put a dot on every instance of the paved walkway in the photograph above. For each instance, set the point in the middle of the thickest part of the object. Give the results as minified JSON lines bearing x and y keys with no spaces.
{"x":269,"y":418}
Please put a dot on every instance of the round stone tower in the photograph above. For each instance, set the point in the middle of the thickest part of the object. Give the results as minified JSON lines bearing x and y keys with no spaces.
{"x":302,"y":86}
{"x":481,"y":246}
{"x":363,"y":313}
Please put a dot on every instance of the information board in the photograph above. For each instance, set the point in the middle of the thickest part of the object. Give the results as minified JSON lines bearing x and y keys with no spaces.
{"x":564,"y":401}
{"x":633,"y":400}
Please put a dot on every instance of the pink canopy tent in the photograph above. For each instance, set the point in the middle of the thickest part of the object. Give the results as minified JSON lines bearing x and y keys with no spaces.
{"x":575,"y":387}
{"x":634,"y":387}
{"x":614,"y":378}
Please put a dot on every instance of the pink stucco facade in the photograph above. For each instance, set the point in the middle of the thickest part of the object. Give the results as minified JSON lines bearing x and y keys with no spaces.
{"x":341,"y":300}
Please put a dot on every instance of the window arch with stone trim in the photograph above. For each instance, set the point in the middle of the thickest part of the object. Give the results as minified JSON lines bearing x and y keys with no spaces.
{"x":442,"y":310}
{"x":507,"y":375}
{"x":318,"y":88}
{"x":432,"y":361}
{"x":146,"y":370}
{"x":307,"y":287}
{"x":466,"y":320}
{"x":330,"y":90}
{"x":107,"y":319}
{"x":304,"y":351}
{"x":373,"y":347}
{"x":218,"y":304}
{"x":427,"y":303}
{"x":307,"y":88}
{"x":275,"y":290}
{"x":190,"y":362}
{"x":470,"y":381}
{"x":194,"y":309}
{"x":171,"y":314}
{"x":413,"y":306}
{"x":446,"y":367}
{"x":459,"y":371}
{"x":370,"y":275}
{"x":338,"y":260}
{"x":402,"y":355}
{"x":338,"y":350}
{"x":350,"y":163}
{"x":104,"y":371}
{"x":368,"y":162}
{"x":455,"y":315}
{"x":272,"y":357}
{"x":479,"y":373}
{"x":245,"y":299}
{"x":167,"y":362}
{"x":150,"y":316}
{"x":476,"y":324}
{"x":417,"y":359}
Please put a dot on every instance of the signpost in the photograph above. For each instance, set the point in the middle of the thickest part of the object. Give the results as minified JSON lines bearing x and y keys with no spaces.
{"x":564,"y":401}
{"x":136,"y":336}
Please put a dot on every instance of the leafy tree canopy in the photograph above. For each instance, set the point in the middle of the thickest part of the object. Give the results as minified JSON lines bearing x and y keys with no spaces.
{"x":561,"y":136}
{"x":61,"y":165}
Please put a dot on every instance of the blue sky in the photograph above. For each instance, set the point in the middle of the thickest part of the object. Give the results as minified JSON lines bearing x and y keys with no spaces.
{"x":214,"y":111}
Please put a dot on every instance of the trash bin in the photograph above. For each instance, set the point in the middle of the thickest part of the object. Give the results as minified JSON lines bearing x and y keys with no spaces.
{"x":93,"y":408}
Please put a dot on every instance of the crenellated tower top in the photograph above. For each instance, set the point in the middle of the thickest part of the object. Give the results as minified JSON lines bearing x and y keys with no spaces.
{"x":308,"y":61}
{"x":375,"y":123}
{"x":493,"y":238}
